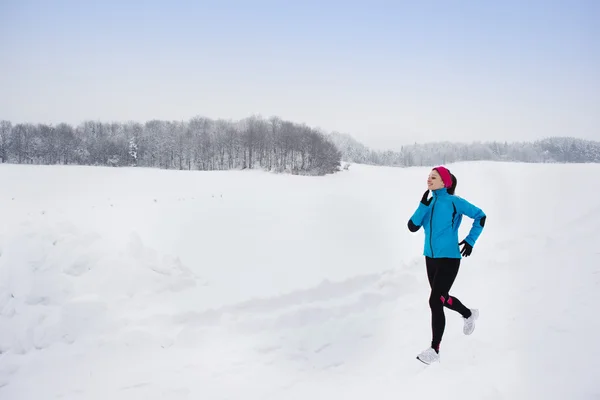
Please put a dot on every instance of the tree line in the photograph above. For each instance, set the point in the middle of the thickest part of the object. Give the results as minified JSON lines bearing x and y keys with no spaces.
{"x":549,"y":150}
{"x":271,"y":144}
{"x":200,"y":144}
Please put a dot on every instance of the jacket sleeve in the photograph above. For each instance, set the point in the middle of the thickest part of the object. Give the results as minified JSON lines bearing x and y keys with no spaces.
{"x":465,"y":208}
{"x":416,"y":220}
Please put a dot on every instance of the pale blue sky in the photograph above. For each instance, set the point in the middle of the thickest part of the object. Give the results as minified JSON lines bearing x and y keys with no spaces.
{"x":388,"y":73}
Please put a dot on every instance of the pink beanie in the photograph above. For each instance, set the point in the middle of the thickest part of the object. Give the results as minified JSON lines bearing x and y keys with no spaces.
{"x":445,"y":174}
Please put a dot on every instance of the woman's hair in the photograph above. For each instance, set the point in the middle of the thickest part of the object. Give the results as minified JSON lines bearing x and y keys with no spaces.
{"x":452,"y":188}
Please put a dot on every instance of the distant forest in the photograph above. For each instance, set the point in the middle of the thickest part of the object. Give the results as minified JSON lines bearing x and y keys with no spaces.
{"x":549,"y":150}
{"x":271,"y":144}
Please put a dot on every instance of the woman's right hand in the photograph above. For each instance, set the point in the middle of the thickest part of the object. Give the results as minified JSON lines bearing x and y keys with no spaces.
{"x":424,"y":199}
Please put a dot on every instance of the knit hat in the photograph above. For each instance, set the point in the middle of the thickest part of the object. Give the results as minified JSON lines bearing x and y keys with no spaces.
{"x":445,"y":174}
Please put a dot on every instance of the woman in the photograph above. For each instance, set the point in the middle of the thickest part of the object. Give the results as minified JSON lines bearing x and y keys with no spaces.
{"x":440,"y":216}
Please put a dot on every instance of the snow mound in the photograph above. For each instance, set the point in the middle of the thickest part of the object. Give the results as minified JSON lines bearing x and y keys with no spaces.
{"x":61,"y":284}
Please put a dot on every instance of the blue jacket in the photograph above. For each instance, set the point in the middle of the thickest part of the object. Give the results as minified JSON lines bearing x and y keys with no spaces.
{"x":441,"y":220}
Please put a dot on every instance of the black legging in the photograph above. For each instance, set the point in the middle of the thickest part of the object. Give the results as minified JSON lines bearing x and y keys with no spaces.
{"x":441,"y":273}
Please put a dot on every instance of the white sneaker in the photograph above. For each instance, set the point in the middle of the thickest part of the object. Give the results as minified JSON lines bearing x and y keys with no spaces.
{"x":428,"y":356}
{"x":470,"y":322}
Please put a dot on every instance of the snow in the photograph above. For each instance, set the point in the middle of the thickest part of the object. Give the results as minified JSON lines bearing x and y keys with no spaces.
{"x":133,"y":283}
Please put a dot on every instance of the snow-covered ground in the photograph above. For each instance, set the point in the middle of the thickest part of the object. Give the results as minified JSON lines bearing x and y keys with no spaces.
{"x":150,"y":284}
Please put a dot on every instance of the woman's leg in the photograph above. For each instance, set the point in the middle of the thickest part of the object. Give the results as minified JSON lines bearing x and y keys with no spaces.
{"x":451,"y":301}
{"x":442,"y":272}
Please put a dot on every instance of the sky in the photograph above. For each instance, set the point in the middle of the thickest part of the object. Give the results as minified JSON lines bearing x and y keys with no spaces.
{"x":387,"y":73}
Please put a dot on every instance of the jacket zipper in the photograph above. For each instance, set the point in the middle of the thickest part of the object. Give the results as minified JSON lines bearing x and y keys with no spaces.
{"x":431,"y":228}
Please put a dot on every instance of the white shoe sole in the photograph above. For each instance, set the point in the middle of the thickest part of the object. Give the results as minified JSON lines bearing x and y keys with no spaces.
{"x":430,"y":362}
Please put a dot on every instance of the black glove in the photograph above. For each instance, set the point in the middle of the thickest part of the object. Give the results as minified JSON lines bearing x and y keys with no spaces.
{"x":424,"y":199}
{"x":467,"y":249}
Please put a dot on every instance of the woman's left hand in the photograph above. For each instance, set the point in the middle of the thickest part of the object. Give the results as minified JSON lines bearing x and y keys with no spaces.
{"x":467,"y":249}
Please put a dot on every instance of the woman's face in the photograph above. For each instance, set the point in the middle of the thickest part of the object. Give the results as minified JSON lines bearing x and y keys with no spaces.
{"x":434,"y":181}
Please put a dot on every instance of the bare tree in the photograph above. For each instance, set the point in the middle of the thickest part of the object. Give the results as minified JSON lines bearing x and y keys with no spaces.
{"x":5,"y":136}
